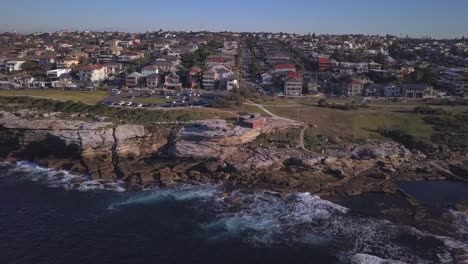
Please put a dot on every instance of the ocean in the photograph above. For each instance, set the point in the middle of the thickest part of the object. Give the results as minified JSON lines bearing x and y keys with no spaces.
{"x":49,"y":216}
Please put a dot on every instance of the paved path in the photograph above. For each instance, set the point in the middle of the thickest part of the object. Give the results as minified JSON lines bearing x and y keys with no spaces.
{"x":301,"y":139}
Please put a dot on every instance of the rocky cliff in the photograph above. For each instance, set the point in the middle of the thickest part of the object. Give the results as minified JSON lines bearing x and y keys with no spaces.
{"x":210,"y":151}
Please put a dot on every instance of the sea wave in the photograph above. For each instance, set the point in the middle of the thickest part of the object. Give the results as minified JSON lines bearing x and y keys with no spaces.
{"x":31,"y":172}
{"x":179,"y":193}
{"x":264,"y":219}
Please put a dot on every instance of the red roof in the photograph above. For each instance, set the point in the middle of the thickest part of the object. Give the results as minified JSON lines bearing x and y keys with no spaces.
{"x":294,"y":75}
{"x":284,"y":66}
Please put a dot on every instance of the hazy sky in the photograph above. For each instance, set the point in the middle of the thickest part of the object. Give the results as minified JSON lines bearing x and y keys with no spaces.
{"x":437,"y":18}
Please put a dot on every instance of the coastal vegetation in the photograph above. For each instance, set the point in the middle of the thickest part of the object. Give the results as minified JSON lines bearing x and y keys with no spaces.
{"x":114,"y":114}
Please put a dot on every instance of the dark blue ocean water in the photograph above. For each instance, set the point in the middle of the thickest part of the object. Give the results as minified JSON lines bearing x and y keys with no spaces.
{"x":46,"y":217}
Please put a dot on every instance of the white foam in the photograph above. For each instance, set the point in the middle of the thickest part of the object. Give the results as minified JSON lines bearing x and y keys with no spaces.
{"x":180,"y":193}
{"x":62,"y":179}
{"x":369,"y":259}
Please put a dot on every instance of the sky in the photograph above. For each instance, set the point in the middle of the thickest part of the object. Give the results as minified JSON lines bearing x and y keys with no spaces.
{"x":417,"y":18}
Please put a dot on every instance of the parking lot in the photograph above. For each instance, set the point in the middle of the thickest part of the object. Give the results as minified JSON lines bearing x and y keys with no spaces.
{"x":158,"y":99}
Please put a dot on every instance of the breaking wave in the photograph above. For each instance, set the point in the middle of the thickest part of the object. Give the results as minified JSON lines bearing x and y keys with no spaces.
{"x":266,"y":219}
{"x":180,"y":193}
{"x":31,"y":172}
{"x":269,"y":219}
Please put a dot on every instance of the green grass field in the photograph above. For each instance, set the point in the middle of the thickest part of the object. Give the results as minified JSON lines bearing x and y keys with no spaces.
{"x":87,"y":97}
{"x":361,"y":123}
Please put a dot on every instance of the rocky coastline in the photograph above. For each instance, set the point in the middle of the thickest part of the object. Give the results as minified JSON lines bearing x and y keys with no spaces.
{"x":215,"y":151}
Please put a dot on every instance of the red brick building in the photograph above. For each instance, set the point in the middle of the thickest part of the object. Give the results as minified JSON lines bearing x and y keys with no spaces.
{"x":324,"y":63}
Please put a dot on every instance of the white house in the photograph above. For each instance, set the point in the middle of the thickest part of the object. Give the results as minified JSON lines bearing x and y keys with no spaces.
{"x":148,"y":70}
{"x":93,"y":73}
{"x":13,"y":65}
{"x":55,"y":74}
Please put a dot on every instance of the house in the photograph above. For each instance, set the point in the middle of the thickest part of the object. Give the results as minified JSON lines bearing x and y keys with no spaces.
{"x":113,"y":68}
{"x":133,"y":79}
{"x":373,"y":90}
{"x":253,"y":120}
{"x":324,"y":63}
{"x":46,"y":60}
{"x":172,"y":81}
{"x":126,"y":57}
{"x":391,"y":90}
{"x":216,"y":78}
{"x":210,"y":79}
{"x":153,"y":80}
{"x":66,"y":63}
{"x":164,"y":65}
{"x":93,"y":73}
{"x":293,"y":85}
{"x":354,"y":88}
{"x":13,"y":65}
{"x":416,"y":90}
{"x":361,"y":67}
{"x":267,"y":79}
{"x":222,"y":59}
{"x":194,"y":77}
{"x":150,"y":69}
{"x":284,"y":68}
{"x":55,"y":74}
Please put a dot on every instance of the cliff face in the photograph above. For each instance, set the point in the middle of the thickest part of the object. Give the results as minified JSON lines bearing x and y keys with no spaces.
{"x":134,"y":153}
{"x":99,"y":149}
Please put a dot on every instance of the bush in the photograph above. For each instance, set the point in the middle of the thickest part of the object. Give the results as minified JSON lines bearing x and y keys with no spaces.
{"x":429,"y":111}
{"x":323,"y":102}
{"x":116,"y":114}
{"x":408,"y":141}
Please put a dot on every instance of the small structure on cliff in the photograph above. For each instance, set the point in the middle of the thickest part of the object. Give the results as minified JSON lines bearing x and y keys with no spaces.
{"x":253,"y":120}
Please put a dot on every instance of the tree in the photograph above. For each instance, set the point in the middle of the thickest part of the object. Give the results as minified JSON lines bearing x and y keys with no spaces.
{"x":380,"y":58}
{"x":29,"y":66}
{"x":427,"y":76}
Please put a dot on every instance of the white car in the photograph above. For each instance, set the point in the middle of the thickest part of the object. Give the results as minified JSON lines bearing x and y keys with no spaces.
{"x":167,"y":97}
{"x":140,"y":105}
{"x":121,"y":103}
{"x":129,"y":103}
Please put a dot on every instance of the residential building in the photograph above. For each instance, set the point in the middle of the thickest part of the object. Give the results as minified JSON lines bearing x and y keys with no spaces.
{"x":93,"y":73}
{"x":13,"y":65}
{"x":293,"y":85}
{"x":126,"y":57}
{"x":133,"y":79}
{"x":153,"y":80}
{"x":172,"y":81}
{"x":164,"y":65}
{"x":216,"y":78}
{"x":55,"y":74}
{"x":66,"y":63}
{"x":324,"y":63}
{"x":194,"y":76}
{"x":284,"y":68}
{"x":416,"y":90}
{"x":354,"y":88}
{"x":113,"y":68}
{"x":391,"y":90}
{"x":150,"y":69}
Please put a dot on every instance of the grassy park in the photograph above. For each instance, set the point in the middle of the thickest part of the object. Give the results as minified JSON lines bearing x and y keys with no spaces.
{"x":87,"y":97}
